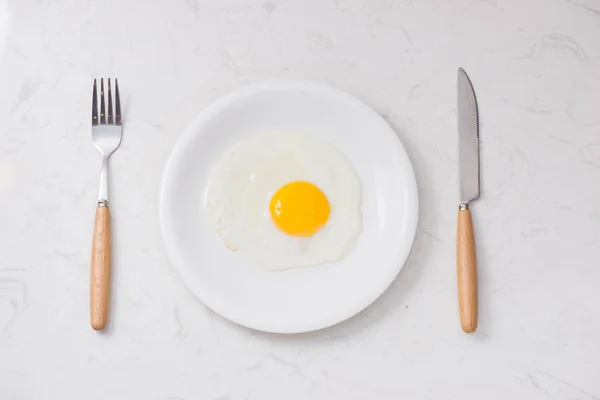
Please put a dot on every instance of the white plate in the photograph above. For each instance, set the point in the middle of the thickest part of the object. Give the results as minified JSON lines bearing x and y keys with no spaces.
{"x":301,"y":299}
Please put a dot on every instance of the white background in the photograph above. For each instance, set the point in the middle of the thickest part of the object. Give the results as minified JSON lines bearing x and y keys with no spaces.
{"x":536,"y":69}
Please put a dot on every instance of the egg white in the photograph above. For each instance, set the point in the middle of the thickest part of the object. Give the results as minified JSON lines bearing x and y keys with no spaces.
{"x":243,"y":180}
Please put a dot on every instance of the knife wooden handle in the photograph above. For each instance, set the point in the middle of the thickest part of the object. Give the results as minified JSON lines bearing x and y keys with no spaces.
{"x":100,"y":269}
{"x":466,"y":269}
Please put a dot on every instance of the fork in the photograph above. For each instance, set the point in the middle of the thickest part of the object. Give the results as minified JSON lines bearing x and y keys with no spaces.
{"x":106,"y":134}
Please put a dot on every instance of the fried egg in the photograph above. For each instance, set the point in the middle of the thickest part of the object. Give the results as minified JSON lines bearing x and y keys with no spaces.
{"x":285,"y":200}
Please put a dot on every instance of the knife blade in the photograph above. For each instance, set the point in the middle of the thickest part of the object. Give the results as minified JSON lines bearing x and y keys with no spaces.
{"x":468,"y":154}
{"x":468,"y":139}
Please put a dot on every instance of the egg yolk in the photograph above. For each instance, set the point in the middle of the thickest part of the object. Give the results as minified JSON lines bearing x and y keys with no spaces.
{"x":299,"y":208}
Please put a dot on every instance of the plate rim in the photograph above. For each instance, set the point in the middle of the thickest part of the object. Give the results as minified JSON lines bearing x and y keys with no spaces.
{"x":221,"y":103}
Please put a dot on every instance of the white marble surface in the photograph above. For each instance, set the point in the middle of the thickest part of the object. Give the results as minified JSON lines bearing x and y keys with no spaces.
{"x":536,"y":68}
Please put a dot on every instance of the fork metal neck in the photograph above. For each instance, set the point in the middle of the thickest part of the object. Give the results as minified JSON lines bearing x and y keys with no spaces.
{"x":103,"y":193}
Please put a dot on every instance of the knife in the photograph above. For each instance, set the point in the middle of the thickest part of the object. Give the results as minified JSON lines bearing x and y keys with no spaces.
{"x":468,"y":155}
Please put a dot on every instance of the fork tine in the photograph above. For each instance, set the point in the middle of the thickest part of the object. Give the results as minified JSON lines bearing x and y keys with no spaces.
{"x":94,"y":105}
{"x":110,"y":108}
{"x":117,"y":103}
{"x":102,"y":108}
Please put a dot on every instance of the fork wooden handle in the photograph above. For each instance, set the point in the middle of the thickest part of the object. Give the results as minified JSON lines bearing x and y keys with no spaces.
{"x":100,"y":269}
{"x":466,"y":268}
